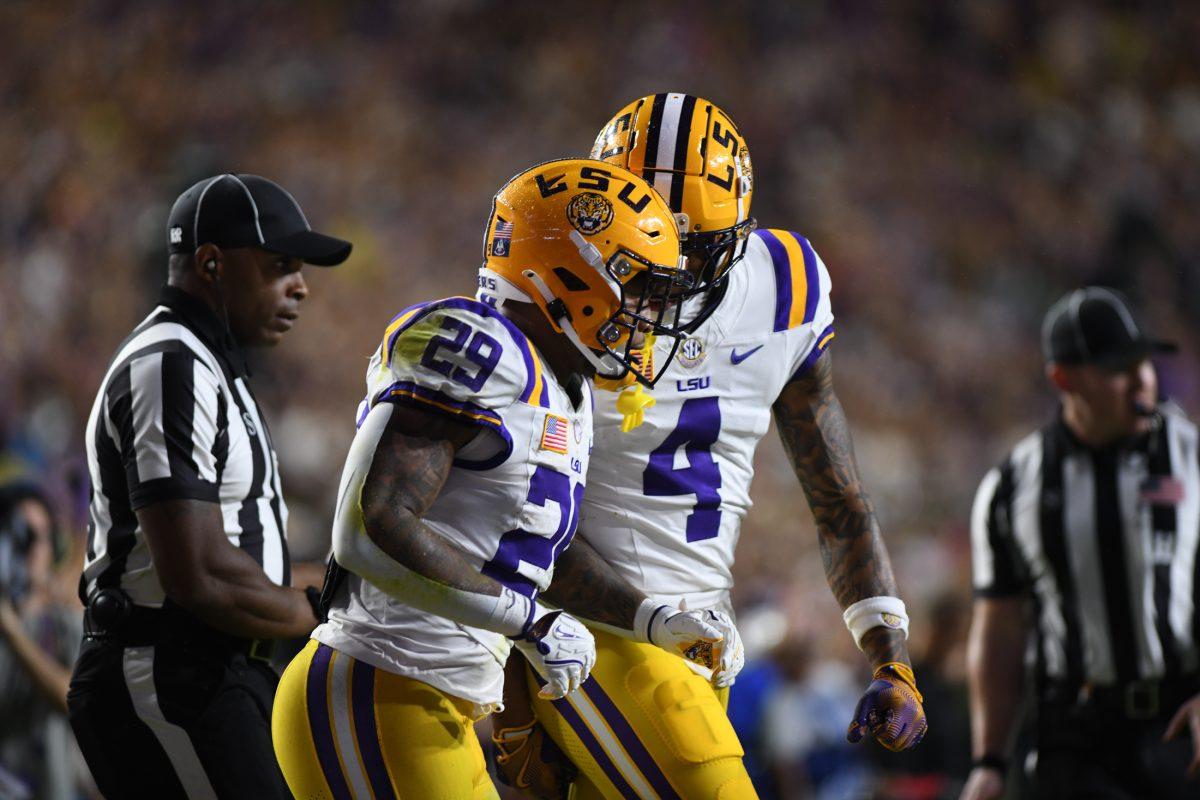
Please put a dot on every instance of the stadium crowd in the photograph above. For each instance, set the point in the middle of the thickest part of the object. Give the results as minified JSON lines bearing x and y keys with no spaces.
{"x":957,"y":165}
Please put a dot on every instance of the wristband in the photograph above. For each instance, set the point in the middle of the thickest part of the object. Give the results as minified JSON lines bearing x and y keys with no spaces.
{"x":644,"y":618}
{"x":313,"y":595}
{"x":513,"y":614}
{"x":875,"y":612}
{"x":991,"y":761}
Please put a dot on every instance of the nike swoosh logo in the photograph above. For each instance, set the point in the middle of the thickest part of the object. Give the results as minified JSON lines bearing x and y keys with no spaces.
{"x":738,"y":358}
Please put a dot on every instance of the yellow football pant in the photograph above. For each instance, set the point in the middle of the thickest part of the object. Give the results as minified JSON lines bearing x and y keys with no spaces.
{"x":343,"y":729}
{"x":645,"y":726}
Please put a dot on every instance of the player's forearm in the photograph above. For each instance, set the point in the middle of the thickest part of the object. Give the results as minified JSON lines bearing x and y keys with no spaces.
{"x":995,"y":673}
{"x":816,"y":436}
{"x":588,"y":587}
{"x":409,"y":562}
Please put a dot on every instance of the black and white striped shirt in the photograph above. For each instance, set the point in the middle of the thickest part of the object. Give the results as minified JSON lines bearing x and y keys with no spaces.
{"x":175,"y":419}
{"x":1105,"y":543}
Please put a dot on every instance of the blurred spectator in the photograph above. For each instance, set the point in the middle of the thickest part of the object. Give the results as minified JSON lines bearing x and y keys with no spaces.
{"x":804,"y":730}
{"x":38,"y":638}
{"x":937,"y":769}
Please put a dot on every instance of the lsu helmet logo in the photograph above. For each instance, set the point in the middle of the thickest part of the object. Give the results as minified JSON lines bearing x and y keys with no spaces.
{"x":743,"y":158}
{"x":589,"y":213}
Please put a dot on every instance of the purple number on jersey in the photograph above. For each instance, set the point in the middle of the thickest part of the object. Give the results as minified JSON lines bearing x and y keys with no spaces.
{"x":541,"y":551}
{"x":483,"y":351}
{"x":697,"y":430}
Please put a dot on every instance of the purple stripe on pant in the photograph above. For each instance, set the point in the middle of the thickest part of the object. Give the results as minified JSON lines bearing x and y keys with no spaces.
{"x":318,"y":722}
{"x":625,"y":733}
{"x":362,"y":697}
{"x":589,"y":741}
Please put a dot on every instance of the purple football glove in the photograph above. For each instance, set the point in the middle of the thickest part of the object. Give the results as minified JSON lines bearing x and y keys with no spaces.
{"x":890,"y":709}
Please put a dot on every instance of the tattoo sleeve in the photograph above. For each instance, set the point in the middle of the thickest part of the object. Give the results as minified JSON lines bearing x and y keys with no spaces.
{"x":411,"y":463}
{"x":816,"y":437}
{"x":588,"y":587}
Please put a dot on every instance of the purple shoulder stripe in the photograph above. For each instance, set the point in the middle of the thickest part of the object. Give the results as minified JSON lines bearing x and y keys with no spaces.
{"x":812,"y":279}
{"x":783,"y":278}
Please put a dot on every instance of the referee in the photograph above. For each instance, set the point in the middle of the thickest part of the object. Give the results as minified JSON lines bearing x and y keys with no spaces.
{"x":1087,"y":532}
{"x":187,"y":574}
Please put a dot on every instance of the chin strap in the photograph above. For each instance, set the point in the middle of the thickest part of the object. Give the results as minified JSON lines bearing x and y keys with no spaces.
{"x":606,"y":367}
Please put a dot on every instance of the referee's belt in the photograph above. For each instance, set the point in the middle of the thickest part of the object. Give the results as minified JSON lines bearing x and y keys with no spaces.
{"x":111,"y":617}
{"x":1138,"y":700}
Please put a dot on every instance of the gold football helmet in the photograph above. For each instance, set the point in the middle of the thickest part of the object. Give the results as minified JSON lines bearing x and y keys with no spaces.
{"x":596,"y":249}
{"x":694,"y":155}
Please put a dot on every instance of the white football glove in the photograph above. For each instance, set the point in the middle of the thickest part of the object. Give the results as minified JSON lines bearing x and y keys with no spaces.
{"x":709,"y":638}
{"x":732,"y":657}
{"x":561,"y":650}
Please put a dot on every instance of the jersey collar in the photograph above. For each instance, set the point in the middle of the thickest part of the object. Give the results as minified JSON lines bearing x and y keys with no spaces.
{"x":200,"y":320}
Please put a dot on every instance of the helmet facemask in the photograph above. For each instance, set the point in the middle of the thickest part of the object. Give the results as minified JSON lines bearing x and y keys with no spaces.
{"x":649,"y":309}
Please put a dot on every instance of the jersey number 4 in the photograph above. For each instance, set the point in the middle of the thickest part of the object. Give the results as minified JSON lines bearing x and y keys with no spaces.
{"x":697,"y":431}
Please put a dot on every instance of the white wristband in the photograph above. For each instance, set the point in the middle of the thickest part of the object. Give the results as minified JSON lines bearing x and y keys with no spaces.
{"x":513,"y":613}
{"x":649,"y":612}
{"x":875,"y":612}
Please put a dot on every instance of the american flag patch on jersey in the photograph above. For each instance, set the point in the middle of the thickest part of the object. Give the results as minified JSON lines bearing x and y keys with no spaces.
{"x":1162,"y":490}
{"x":502,"y":237}
{"x":554,"y":434}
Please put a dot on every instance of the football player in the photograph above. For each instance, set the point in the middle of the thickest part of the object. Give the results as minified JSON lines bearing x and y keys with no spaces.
{"x":463,"y":485}
{"x":670,"y":479}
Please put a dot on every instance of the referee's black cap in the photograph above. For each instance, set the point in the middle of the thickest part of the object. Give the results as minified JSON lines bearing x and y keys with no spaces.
{"x":1095,"y":325}
{"x":248,"y":211}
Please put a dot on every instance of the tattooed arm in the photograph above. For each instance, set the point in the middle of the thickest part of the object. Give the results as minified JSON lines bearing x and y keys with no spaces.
{"x":587,"y":586}
{"x":398,"y":463}
{"x":816,"y":437}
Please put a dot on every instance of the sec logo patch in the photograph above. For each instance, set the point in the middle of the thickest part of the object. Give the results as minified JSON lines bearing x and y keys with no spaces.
{"x":691,"y":353}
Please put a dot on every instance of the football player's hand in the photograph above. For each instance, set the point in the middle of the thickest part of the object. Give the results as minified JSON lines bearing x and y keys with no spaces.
{"x":984,"y":783}
{"x":1187,"y":718}
{"x":528,"y":760}
{"x":706,"y":637}
{"x":561,"y":650}
{"x":890,"y":709}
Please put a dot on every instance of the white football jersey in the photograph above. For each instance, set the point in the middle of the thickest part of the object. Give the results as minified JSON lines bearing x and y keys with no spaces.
{"x":511,"y":501}
{"x":667,"y":499}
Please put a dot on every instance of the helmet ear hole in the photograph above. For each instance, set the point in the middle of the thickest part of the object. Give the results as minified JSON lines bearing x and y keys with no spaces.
{"x":588,"y":311}
{"x":570,"y":280}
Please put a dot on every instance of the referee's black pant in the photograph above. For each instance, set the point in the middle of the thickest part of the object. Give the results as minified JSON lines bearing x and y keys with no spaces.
{"x":187,"y":715}
{"x":1102,"y":751}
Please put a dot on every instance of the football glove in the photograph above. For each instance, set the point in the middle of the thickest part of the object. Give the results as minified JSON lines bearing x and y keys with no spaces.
{"x":561,"y":650}
{"x":708,"y":638}
{"x":528,"y":760}
{"x":890,"y":709}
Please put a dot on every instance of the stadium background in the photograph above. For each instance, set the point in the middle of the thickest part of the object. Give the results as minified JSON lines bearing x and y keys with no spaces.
{"x":957,"y":164}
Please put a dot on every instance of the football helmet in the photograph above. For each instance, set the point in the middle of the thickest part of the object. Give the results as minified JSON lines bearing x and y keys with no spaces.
{"x":694,"y":155}
{"x":596,"y":249}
